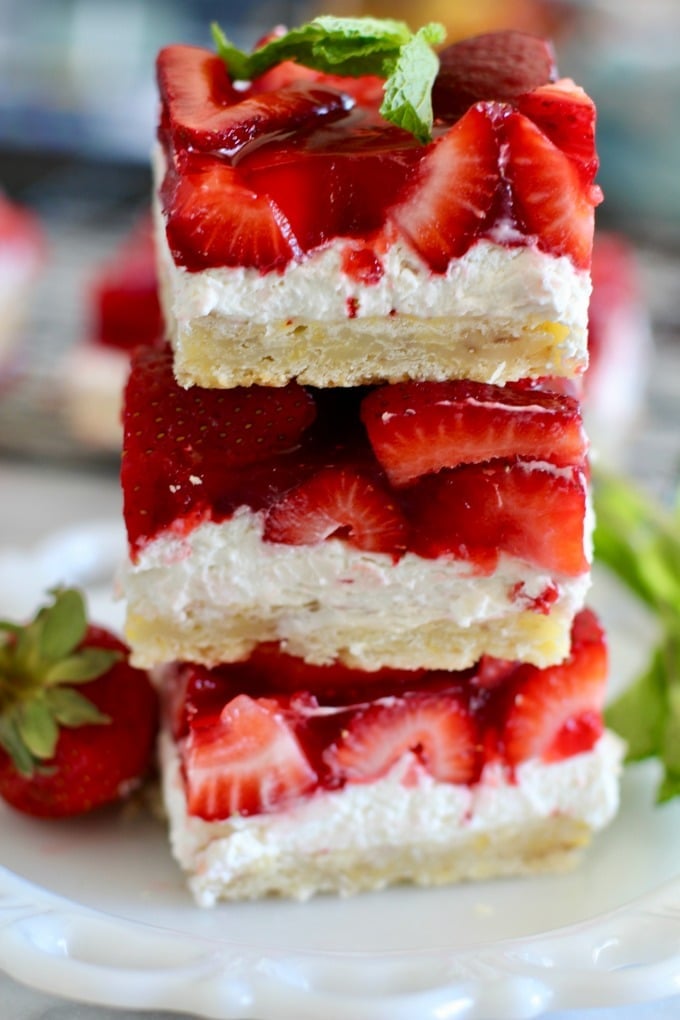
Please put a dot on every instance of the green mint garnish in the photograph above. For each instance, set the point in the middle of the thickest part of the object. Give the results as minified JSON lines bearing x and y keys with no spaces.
{"x":639,"y":541}
{"x":355,"y":47}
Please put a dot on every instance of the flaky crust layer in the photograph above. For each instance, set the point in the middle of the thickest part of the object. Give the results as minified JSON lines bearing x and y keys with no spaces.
{"x":217,"y":352}
{"x":542,"y":640}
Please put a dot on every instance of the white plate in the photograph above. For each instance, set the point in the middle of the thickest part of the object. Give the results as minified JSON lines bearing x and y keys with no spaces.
{"x":95,"y":909}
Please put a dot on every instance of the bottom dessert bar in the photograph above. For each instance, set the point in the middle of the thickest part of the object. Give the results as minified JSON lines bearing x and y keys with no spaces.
{"x":285,"y":778}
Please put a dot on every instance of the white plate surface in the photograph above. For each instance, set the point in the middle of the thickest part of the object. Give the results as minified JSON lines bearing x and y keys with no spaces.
{"x":95,"y":909}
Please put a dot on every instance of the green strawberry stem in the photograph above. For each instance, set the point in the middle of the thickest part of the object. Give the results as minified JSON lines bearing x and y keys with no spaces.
{"x":355,"y":47}
{"x":40,"y":664}
{"x":638,"y":539}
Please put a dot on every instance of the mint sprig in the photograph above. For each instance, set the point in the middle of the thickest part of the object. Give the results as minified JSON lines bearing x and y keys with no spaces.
{"x":638,"y":539}
{"x":355,"y":47}
{"x":41,"y":663}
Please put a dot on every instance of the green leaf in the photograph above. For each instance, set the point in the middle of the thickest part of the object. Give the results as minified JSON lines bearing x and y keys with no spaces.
{"x":37,"y":728}
{"x":354,"y":47}
{"x":64,"y":624}
{"x":81,"y":667}
{"x":71,"y":709}
{"x":10,"y":739}
{"x":669,"y":788}
{"x":408,"y":92}
{"x":639,"y":713}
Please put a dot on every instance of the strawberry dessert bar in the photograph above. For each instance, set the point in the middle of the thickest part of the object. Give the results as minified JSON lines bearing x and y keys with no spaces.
{"x":408,"y":525}
{"x":303,"y":236}
{"x":281,"y":777}
{"x":123,"y":313}
{"x":355,"y":480}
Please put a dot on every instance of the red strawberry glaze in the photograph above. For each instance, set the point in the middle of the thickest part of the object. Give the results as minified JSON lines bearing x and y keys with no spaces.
{"x":303,"y":459}
{"x":332,"y":726}
{"x":298,"y":158}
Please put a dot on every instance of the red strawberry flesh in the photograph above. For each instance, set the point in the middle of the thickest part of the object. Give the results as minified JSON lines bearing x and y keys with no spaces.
{"x":419,"y":428}
{"x":524,"y":510}
{"x":550,"y":200}
{"x":261,"y":735}
{"x":338,"y":501}
{"x":451,"y":199}
{"x":245,"y":761}
{"x":204,"y":111}
{"x":557,"y":711}
{"x":437,"y":728}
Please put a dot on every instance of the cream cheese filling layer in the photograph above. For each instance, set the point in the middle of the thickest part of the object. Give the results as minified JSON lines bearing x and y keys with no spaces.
{"x":227,"y":568}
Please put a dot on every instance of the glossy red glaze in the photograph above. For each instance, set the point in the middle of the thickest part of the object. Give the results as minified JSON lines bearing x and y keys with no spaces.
{"x":314,"y":158}
{"x":303,"y":458}
{"x":333,"y":710}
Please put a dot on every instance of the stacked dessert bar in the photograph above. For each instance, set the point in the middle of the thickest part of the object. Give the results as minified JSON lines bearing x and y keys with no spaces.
{"x":356,"y":480}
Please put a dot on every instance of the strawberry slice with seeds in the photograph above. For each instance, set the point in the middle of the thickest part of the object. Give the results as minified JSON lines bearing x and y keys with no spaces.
{"x":338,"y":502}
{"x":477,"y":512}
{"x":455,"y":188}
{"x":437,"y":728}
{"x":214,"y":219}
{"x":496,"y":65}
{"x":204,"y":111}
{"x":180,"y":444}
{"x":566,"y":115}
{"x":417,"y":428}
{"x":557,"y":712}
{"x":245,"y":761}
{"x":550,"y":199}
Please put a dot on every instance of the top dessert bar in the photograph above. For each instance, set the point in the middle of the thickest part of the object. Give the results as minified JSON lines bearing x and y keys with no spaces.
{"x":303,"y":236}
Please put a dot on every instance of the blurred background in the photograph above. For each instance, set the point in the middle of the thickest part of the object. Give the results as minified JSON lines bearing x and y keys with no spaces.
{"x":77,"y":111}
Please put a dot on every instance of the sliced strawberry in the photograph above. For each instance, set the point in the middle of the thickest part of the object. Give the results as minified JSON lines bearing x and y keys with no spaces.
{"x":550,"y":199}
{"x":437,"y":728}
{"x":338,"y":181}
{"x":566,"y":115}
{"x":496,"y":65}
{"x":417,"y":428}
{"x":214,"y":219}
{"x":338,"y":502}
{"x":557,"y":712}
{"x":245,"y":761}
{"x":179,"y":445}
{"x":524,"y":510}
{"x":455,"y":188}
{"x":205,"y":112}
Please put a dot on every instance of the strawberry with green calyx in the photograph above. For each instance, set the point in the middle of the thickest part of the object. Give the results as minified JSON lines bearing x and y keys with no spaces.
{"x":77,"y":722}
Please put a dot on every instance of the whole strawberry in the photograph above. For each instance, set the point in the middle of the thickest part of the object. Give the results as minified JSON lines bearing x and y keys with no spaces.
{"x":77,"y":723}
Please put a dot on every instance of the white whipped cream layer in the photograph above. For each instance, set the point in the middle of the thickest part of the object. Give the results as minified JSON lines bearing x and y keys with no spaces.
{"x":361,"y":817}
{"x":523,"y":284}
{"x":228,"y":566}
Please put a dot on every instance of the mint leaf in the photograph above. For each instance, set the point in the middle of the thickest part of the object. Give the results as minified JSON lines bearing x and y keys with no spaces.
{"x":638,"y":714}
{"x":638,"y":539}
{"x":355,"y":47}
{"x":408,"y":91}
